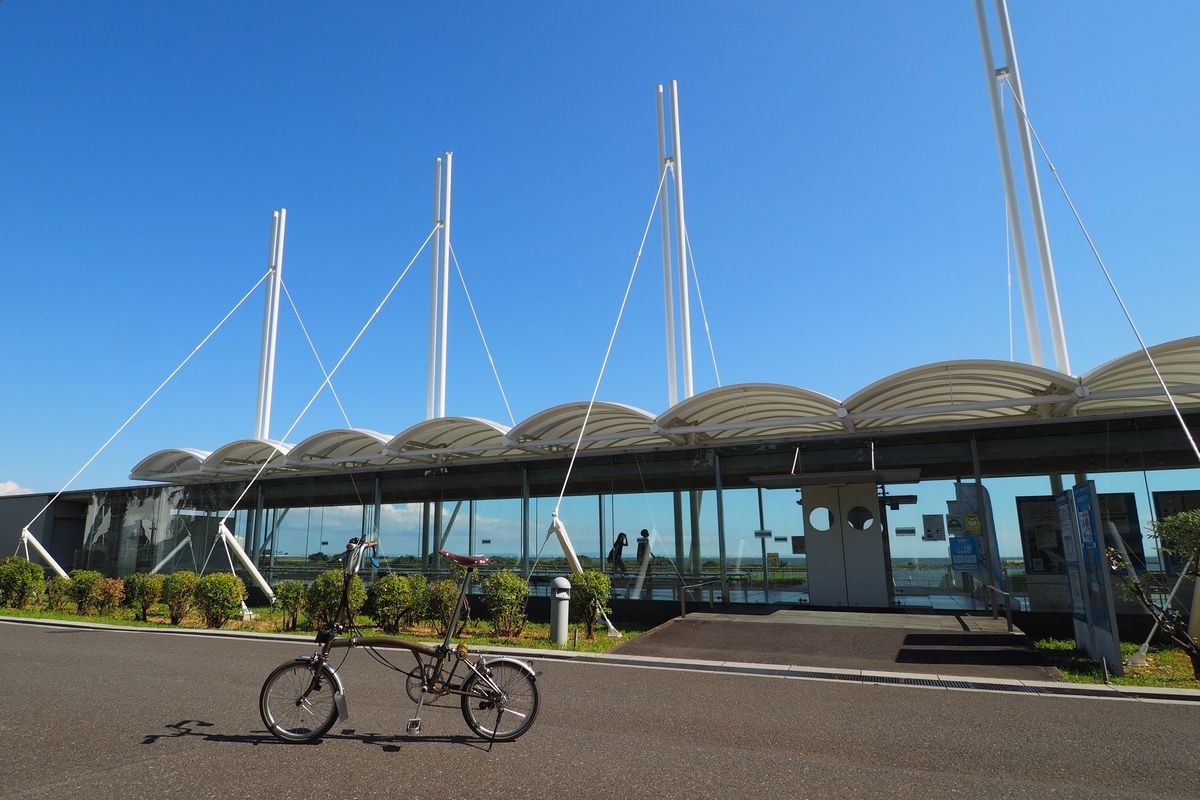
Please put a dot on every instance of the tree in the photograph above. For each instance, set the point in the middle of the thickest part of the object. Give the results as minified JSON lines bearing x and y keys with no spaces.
{"x":179,"y":592}
{"x":219,"y":597}
{"x":142,"y":590}
{"x":505,"y":595}
{"x":290,"y":596}
{"x":589,"y":596}
{"x":1180,"y":536}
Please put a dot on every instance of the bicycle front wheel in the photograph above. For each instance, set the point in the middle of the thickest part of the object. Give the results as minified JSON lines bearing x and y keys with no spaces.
{"x":503,"y":706}
{"x":296,"y":704}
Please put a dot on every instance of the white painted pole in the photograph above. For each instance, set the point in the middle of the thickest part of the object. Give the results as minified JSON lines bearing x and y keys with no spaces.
{"x":262,"y":582}
{"x":668,"y":288}
{"x":444,"y":321}
{"x":266,"y":332}
{"x":1028,"y":304}
{"x":28,"y":539}
{"x":430,"y":397}
{"x":274,"y":290}
{"x":1040,"y":231}
{"x":685,"y":316}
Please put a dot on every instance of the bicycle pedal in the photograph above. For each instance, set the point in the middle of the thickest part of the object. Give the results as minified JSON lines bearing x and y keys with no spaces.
{"x":414,"y":727}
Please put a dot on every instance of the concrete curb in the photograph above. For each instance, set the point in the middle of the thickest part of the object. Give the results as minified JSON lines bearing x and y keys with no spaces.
{"x":793,"y":671}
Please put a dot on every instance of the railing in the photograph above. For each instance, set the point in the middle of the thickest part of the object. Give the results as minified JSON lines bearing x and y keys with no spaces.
{"x":988,"y":588}
{"x":683,"y":590}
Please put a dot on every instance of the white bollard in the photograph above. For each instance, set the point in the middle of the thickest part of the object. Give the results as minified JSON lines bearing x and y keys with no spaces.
{"x":560,"y":609}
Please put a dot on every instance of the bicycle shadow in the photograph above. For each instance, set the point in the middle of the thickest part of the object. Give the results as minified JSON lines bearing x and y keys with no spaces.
{"x":387,"y":743}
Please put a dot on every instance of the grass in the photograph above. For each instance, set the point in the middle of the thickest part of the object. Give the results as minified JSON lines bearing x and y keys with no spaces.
{"x":1167,"y":665}
{"x":479,"y":633}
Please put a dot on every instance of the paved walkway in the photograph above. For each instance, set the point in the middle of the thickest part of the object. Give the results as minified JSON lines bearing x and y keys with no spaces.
{"x":911,"y":643}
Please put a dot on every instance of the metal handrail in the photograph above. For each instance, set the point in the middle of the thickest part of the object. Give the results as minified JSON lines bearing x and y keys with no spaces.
{"x":1007,"y":604}
{"x":683,"y":587}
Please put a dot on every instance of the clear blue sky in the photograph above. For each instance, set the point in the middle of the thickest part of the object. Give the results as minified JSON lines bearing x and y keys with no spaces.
{"x":844,"y":201}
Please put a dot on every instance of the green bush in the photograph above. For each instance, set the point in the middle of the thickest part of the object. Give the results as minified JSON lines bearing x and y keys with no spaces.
{"x":443,"y":595}
{"x":289,"y":595}
{"x":219,"y":597}
{"x":324,"y":596}
{"x":142,"y":590}
{"x":21,"y":583}
{"x":179,"y":592}
{"x":57,"y":592}
{"x":390,"y":602}
{"x":84,"y":590}
{"x":504,"y":596}
{"x":590,"y":591}
{"x":420,"y":607}
{"x":109,"y":594}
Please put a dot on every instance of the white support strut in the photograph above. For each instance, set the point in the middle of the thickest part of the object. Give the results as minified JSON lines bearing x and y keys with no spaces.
{"x":186,"y":541}
{"x":28,"y":539}
{"x":232,"y":542}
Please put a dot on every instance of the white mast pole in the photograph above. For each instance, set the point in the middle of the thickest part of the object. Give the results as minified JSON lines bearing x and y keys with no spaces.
{"x":1040,"y":231}
{"x":433,"y":292}
{"x":1010,"y":192}
{"x":668,"y":288}
{"x":266,"y":364}
{"x":441,"y":400}
{"x":685,"y":316}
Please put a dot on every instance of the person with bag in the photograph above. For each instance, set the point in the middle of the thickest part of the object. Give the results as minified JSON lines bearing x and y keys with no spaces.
{"x":614,"y":554}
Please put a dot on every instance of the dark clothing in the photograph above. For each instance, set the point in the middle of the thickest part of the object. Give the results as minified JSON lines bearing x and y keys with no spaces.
{"x":617,"y":561}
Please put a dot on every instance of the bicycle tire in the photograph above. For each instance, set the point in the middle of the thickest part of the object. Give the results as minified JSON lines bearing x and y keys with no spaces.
{"x":290,"y":711}
{"x":503,"y":716}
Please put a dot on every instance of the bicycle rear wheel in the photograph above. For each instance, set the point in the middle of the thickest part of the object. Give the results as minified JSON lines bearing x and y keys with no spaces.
{"x":295,"y":707}
{"x":505,"y":711}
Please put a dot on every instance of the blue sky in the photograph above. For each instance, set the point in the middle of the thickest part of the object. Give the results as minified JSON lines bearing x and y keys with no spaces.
{"x":844,"y":201}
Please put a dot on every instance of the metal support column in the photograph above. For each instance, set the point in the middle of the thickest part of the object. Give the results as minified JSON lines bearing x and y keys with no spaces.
{"x":1024,"y":282}
{"x":266,"y":365}
{"x":434,"y":291}
{"x":721,"y":530}
{"x":1037,"y":212}
{"x":665,"y":217}
{"x":685,"y":316}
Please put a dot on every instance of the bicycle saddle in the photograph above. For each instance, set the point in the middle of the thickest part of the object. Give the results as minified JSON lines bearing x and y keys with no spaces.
{"x":466,"y":561}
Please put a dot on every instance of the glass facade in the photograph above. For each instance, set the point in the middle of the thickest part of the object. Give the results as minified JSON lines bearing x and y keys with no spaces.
{"x":747,"y":541}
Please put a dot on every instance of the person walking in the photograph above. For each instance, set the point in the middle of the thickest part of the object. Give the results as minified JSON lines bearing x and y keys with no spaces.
{"x":614,"y":555}
{"x":643,"y":551}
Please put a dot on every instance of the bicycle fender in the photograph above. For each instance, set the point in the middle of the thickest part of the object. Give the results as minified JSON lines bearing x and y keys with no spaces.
{"x":339,"y":694}
{"x":514,"y":661}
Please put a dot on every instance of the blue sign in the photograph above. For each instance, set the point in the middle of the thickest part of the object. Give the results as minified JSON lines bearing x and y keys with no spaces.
{"x":964,"y":554}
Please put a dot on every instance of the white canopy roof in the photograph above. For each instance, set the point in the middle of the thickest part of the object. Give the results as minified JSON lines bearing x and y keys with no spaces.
{"x":340,"y":447}
{"x":944,"y":395}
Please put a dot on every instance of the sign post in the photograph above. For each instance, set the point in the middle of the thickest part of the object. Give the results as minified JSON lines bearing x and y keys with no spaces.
{"x":763,"y":536}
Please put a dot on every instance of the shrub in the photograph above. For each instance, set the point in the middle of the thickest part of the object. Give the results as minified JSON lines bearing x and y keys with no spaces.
{"x":57,"y":593}
{"x":219,"y":597}
{"x":109,"y":594}
{"x":84,"y":590}
{"x":505,"y":595}
{"x":324,"y":596}
{"x":420,"y":605}
{"x":21,"y":583}
{"x":440,"y":607}
{"x":290,"y":597}
{"x":179,"y":592}
{"x":142,"y":591}
{"x":589,"y":596}
{"x":390,"y":602}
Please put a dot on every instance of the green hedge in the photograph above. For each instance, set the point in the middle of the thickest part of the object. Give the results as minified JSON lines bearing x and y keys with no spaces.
{"x":505,"y":595}
{"x":219,"y":597}
{"x":21,"y":583}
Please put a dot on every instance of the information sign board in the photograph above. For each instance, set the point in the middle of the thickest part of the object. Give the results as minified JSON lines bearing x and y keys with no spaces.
{"x":964,"y":554}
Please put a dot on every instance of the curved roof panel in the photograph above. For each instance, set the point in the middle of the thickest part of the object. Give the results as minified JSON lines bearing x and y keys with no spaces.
{"x":340,"y":447}
{"x":245,"y":455}
{"x":169,"y":465}
{"x":953,"y":392}
{"x":1128,"y":384}
{"x":611,"y":425}
{"x":749,"y":410}
{"x":444,"y":437}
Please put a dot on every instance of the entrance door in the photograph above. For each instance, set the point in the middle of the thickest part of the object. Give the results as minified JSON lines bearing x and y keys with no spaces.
{"x":844,"y":544}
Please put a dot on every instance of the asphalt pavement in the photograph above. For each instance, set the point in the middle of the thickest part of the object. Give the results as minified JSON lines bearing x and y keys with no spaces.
{"x":118,"y":714}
